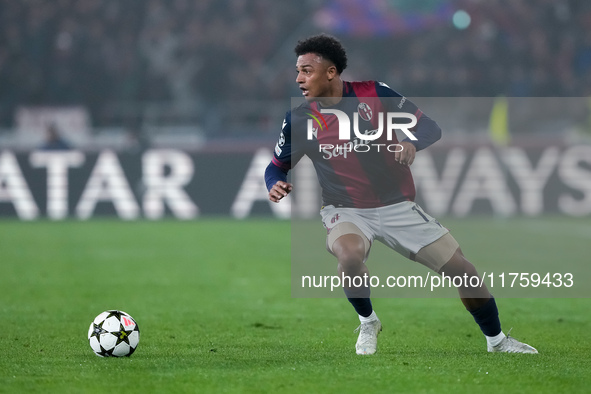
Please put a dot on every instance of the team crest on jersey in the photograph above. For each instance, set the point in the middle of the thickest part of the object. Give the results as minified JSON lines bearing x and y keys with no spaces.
{"x":364,"y":111}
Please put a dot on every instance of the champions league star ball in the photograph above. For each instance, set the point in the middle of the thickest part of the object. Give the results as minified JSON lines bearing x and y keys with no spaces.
{"x":113,"y":334}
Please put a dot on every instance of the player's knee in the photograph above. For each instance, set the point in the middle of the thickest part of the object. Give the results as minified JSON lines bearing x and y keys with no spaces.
{"x":350,"y":252}
{"x":458,"y":265}
{"x":469,"y":268}
{"x":350,"y":264}
{"x":350,"y":258}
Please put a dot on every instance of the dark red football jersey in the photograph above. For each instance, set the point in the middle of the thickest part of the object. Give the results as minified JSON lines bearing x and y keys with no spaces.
{"x":352,"y":173}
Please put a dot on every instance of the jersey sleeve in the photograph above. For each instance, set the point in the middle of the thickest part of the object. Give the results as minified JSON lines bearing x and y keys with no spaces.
{"x":426,"y":131}
{"x":283,"y":157}
{"x":395,"y":102}
{"x":282,"y":153}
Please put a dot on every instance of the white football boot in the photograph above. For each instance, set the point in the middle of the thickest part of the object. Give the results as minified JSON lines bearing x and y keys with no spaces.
{"x":367,"y":343}
{"x":512,"y":345}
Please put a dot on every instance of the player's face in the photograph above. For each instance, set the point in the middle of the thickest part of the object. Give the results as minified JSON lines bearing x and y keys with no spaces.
{"x":314,"y":76}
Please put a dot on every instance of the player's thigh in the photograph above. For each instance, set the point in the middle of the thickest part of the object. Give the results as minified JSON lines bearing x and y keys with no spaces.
{"x":343,"y":224}
{"x":347,"y":240}
{"x":438,"y":253}
{"x":407,"y":228}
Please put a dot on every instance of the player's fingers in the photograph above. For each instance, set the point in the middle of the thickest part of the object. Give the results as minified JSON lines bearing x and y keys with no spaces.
{"x":274,"y":196}
{"x":284,"y":187}
{"x":281,"y":189}
{"x":409,"y":158}
{"x":403,"y":157}
{"x":408,"y":155}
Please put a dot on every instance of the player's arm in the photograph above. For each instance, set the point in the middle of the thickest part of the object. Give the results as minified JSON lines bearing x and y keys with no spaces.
{"x":426,"y":131}
{"x":276,"y":180}
{"x":277,"y":170}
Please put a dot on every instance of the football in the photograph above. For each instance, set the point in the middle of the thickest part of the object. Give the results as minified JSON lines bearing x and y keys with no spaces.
{"x":113,"y":334}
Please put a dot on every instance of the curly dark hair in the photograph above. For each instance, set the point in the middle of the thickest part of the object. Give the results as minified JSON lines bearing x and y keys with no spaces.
{"x":326,"y":46}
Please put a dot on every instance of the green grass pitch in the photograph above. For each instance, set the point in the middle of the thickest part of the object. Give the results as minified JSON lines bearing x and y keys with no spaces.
{"x":213,"y":301}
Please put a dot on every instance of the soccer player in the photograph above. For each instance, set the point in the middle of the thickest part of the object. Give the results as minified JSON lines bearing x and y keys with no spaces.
{"x":369,"y":196}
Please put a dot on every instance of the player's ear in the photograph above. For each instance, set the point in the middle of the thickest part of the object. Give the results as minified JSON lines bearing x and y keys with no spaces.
{"x":331,"y":72}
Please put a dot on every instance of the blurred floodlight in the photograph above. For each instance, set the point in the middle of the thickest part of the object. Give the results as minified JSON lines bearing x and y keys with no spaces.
{"x":461,"y":19}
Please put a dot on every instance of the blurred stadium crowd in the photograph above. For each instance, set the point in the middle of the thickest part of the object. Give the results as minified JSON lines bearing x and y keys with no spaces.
{"x":207,"y":57}
{"x":100,"y":52}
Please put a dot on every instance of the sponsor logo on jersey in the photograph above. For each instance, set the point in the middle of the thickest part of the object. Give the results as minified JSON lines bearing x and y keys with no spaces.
{"x":329,"y":150}
{"x":402,"y":101}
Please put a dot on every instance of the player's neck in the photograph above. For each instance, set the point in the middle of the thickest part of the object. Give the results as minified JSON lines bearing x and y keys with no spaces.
{"x":335,"y":95}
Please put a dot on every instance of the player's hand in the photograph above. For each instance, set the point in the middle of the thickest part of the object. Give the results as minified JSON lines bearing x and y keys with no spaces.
{"x":407,"y":155}
{"x":279,"y":190}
